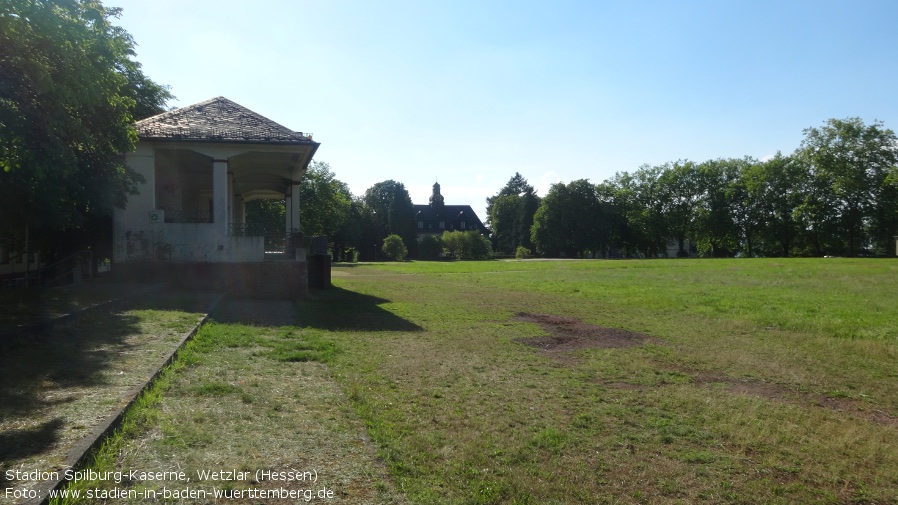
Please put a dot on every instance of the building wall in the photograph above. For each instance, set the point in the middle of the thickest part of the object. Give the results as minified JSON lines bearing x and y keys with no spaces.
{"x":140,"y":233}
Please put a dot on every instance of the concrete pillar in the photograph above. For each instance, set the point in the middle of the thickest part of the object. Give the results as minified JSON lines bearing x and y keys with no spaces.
{"x":231,"y":197}
{"x":288,"y":216}
{"x":239,"y":211}
{"x":294,"y":210}
{"x":220,"y":197}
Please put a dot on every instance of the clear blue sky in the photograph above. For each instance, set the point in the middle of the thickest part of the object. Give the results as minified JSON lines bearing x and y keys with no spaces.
{"x":470,"y":92}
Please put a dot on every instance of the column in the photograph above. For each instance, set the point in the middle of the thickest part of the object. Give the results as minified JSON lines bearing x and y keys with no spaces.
{"x":239,"y":210}
{"x":288,"y":215}
{"x":220,"y":197}
{"x":294,"y":209}
{"x":231,"y":218}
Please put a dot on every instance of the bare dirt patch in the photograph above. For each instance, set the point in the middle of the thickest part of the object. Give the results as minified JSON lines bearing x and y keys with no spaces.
{"x":568,"y":334}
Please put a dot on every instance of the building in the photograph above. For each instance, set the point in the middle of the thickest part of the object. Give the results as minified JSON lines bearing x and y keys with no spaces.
{"x":201,"y":164}
{"x":436,"y":217}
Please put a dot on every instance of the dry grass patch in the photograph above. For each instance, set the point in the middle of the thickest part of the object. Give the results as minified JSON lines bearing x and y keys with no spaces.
{"x":254,"y":398}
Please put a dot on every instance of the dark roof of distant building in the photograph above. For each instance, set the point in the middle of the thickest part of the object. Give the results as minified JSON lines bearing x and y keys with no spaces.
{"x":449,"y":214}
{"x":218,"y":120}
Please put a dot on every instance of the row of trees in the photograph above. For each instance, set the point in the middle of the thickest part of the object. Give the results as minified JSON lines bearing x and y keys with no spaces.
{"x":837,"y":194}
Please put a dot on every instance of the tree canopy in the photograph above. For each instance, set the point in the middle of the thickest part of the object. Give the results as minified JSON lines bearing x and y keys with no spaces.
{"x":69,"y":95}
{"x":510,"y":215}
{"x":324,"y":201}
{"x":392,"y":211}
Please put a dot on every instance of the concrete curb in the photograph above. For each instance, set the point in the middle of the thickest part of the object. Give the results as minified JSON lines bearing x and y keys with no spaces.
{"x":82,"y":451}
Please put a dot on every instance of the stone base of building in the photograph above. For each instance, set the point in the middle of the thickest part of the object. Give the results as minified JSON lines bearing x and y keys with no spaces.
{"x":266,"y":280}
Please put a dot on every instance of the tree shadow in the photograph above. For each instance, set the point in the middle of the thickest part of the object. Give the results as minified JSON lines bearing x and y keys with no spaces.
{"x":257,"y":312}
{"x":72,"y":354}
{"x":337,"y":309}
{"x":18,"y":444}
{"x":42,"y":368}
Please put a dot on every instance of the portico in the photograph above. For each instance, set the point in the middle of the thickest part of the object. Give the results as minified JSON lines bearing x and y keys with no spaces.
{"x":201,"y":164}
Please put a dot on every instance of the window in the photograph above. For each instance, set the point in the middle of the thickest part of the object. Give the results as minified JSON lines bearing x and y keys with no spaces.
{"x":420,"y":225}
{"x":462,"y":225}
{"x":442,"y":225}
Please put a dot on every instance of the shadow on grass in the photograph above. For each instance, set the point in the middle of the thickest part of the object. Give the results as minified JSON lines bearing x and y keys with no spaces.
{"x":337,"y":309}
{"x":255,"y":312}
{"x":17,"y":444}
{"x":38,"y":366}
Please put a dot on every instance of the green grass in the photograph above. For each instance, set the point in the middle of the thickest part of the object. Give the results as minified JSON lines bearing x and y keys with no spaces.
{"x":763,"y":381}
{"x":768,"y":380}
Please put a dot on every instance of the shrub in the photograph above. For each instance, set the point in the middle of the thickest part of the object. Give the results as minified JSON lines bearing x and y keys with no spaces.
{"x":521,"y":252}
{"x":394,"y":248}
{"x":430,"y":248}
{"x":468,"y":245}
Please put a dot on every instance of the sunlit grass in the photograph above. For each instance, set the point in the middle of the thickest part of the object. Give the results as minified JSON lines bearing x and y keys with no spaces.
{"x":769,"y":381}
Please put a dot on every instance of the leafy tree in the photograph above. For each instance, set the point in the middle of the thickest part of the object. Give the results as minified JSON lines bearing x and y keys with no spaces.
{"x":393,"y":211}
{"x":455,"y":244}
{"x":466,"y":245}
{"x":354,"y":238}
{"x":267,"y":216}
{"x":393,"y":248}
{"x":69,"y":94}
{"x":679,"y":198}
{"x":510,"y":214}
{"x":358,"y":233}
{"x":324,"y":201}
{"x":570,"y":221}
{"x":430,"y":247}
{"x":776,"y":185}
{"x":649,"y":219}
{"x":481,"y":247}
{"x":853,"y":160}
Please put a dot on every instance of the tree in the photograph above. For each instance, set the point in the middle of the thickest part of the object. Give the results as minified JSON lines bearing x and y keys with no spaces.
{"x":358,"y":232}
{"x":854,"y":160}
{"x":510,"y":215}
{"x":268,"y":217}
{"x":455,"y":244}
{"x":466,"y":245}
{"x":69,"y":95}
{"x":393,"y":248}
{"x":570,"y":221}
{"x":324,"y":201}
{"x":430,"y":247}
{"x":392,"y":209}
{"x":649,"y":219}
{"x":775,"y":184}
{"x":679,"y":197}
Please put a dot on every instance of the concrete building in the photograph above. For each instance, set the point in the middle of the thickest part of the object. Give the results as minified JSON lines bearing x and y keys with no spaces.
{"x":201,"y":164}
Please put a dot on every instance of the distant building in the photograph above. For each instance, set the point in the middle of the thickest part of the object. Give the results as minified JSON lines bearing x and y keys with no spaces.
{"x":436,"y":217}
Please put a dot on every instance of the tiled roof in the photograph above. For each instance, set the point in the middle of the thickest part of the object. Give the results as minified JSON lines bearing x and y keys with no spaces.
{"x":218,"y":119}
{"x":449,"y":214}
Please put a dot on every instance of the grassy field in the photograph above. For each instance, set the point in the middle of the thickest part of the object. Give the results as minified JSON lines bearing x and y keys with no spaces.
{"x":758,"y":381}
{"x":556,"y":382}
